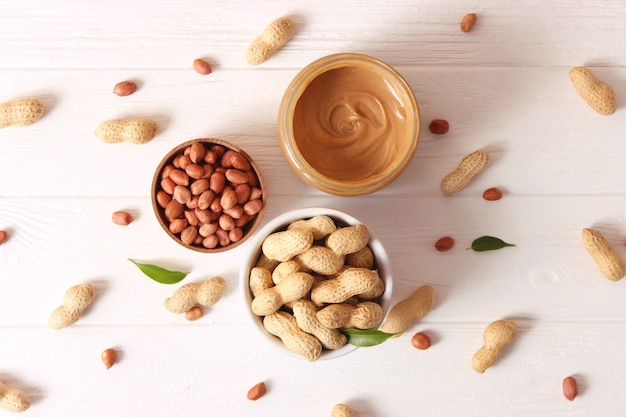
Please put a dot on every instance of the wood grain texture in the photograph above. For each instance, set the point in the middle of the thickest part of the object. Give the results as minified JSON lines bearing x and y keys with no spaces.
{"x":504,"y":88}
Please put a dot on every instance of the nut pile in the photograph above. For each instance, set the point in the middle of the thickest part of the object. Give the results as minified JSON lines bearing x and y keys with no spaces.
{"x":314,"y":279}
{"x":208,"y":194}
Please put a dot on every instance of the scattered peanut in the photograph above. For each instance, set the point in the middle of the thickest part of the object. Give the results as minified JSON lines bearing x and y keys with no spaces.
{"x":3,"y":236}
{"x":204,"y":293}
{"x":420,"y":341}
{"x":21,"y":112}
{"x":122,"y":218}
{"x":291,"y":288}
{"x":194,"y":313}
{"x":444,"y":244}
{"x":470,"y":166}
{"x":352,"y":281}
{"x":284,"y":326}
{"x":439,"y":126}
{"x":364,"y":315}
{"x":284,"y":245}
{"x":496,"y":336}
{"x":342,"y":410}
{"x":570,"y":389}
{"x":610,"y":263}
{"x":257,"y":391}
{"x":416,"y":306}
{"x":599,"y":95}
{"x":468,"y":22}
{"x":202,"y":67}
{"x":492,"y":194}
{"x":305,"y":313}
{"x":109,"y":357}
{"x":124,"y":88}
{"x":275,"y":35}
{"x":13,"y":399}
{"x":75,"y":301}
{"x":137,"y":131}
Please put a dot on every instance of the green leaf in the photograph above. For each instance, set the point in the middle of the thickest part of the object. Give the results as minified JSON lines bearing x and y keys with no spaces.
{"x":485,"y":243}
{"x":162,"y":275}
{"x":366,"y":338}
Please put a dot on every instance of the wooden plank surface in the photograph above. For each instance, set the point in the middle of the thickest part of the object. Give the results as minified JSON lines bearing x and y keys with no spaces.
{"x":503,"y":87}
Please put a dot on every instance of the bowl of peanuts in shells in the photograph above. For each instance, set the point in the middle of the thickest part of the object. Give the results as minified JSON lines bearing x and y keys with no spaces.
{"x":208,"y":195}
{"x":312,"y":273}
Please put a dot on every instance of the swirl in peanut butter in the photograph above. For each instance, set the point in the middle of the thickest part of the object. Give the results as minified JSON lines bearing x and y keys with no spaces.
{"x":349,"y":124}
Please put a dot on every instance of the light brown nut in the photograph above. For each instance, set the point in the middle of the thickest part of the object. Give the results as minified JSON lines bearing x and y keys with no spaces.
{"x":202,"y":67}
{"x":348,"y":239}
{"x":492,"y":194}
{"x":235,"y":235}
{"x":124,"y":88}
{"x":291,"y":288}
{"x":570,"y":389}
{"x":439,"y":126}
{"x":137,"y":131}
{"x":228,"y":199}
{"x":608,"y":260}
{"x":444,"y":244}
{"x":75,"y":301}
{"x":257,"y":391}
{"x":199,"y":186}
{"x":284,"y":245}
{"x":598,"y":95}
{"x":179,"y":177}
{"x":217,"y":182}
{"x":194,"y":313}
{"x":13,"y":399}
{"x":122,"y":218}
{"x":420,"y":341}
{"x":364,"y":315}
{"x":253,"y":207}
{"x":321,"y":226}
{"x":468,"y":22}
{"x":414,"y":307}
{"x":275,"y":35}
{"x":189,"y":235}
{"x":469,"y":167}
{"x":287,"y":268}
{"x":182,"y":194}
{"x":3,"y":236}
{"x":361,"y":259}
{"x":197,"y":151}
{"x":194,"y":171}
{"x":21,"y":112}
{"x":305,"y":313}
{"x":321,"y":260}
{"x":235,"y":176}
{"x":163,"y":198}
{"x":109,"y":357}
{"x":352,"y":281}
{"x":260,"y":280}
{"x":205,"y":293}
{"x":497,"y":335}
{"x":283,"y":325}
{"x":342,"y":410}
{"x":168,"y":185}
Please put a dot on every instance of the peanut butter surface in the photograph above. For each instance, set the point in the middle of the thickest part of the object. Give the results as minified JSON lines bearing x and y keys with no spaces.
{"x":349,"y":124}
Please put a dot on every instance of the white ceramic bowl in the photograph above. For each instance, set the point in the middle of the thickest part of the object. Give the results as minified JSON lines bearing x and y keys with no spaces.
{"x":280,"y":222}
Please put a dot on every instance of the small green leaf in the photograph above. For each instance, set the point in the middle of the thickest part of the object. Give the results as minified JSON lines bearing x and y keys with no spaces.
{"x":485,"y":243}
{"x":366,"y":338}
{"x":159,"y":274}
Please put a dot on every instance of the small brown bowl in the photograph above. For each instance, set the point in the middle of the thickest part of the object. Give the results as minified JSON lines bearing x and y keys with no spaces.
{"x":208,"y":195}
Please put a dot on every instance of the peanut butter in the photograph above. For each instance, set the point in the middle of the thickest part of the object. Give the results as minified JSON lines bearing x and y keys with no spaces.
{"x":350,"y":124}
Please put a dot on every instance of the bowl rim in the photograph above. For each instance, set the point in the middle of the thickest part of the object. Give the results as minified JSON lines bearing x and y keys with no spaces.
{"x":285,"y":127}
{"x":383,"y":264}
{"x":167,"y":159}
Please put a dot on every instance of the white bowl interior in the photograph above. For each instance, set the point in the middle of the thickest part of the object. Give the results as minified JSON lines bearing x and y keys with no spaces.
{"x":280,"y":222}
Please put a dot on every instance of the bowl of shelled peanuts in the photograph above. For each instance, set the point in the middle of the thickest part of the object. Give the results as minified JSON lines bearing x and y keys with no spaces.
{"x":313,"y":273}
{"x":208,"y":195}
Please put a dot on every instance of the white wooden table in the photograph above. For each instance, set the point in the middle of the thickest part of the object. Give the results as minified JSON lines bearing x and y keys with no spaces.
{"x":503,"y":87}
